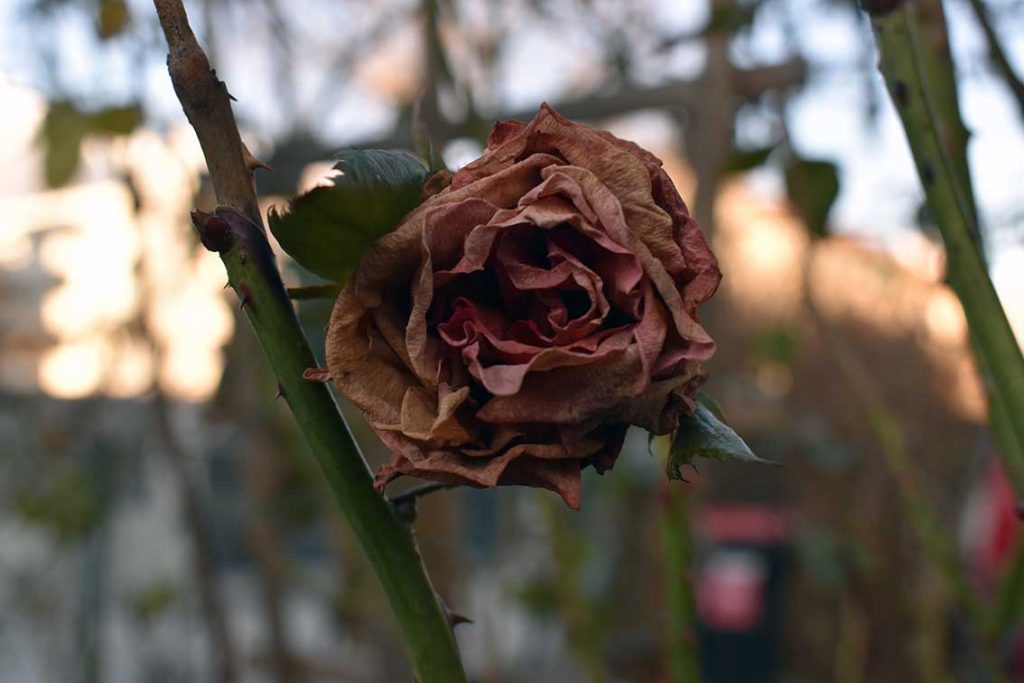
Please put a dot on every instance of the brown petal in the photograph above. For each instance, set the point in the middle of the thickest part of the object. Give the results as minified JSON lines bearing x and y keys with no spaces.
{"x":646,"y":227}
{"x":373,"y":370}
{"x":433,"y":416}
{"x":549,"y":396}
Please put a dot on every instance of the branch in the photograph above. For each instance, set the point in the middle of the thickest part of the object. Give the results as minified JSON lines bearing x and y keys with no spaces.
{"x":196,"y":521}
{"x":747,"y":83}
{"x":904,"y":66}
{"x":997,"y":54}
{"x":937,"y":70}
{"x":677,"y":566}
{"x":236,"y":233}
{"x":207,"y":105}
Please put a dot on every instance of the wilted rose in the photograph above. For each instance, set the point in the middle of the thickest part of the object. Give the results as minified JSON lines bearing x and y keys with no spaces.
{"x":515,"y":324}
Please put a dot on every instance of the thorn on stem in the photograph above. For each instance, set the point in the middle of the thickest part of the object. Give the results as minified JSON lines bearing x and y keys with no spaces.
{"x":280,"y":391}
{"x":251,"y":162}
{"x":244,"y":298}
{"x":454,"y":618}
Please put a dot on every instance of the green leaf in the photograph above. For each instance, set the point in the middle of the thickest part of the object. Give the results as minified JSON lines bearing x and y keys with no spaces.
{"x":703,"y":435}
{"x":327,"y":229}
{"x":711,"y":404}
{"x":115,"y":120}
{"x":729,"y":18}
{"x":66,"y":126}
{"x":151,"y":601}
{"x":813,"y":187}
{"x":61,"y":135}
{"x":114,"y":17}
{"x":779,"y":344}
{"x":65,"y":503}
{"x":742,"y":160}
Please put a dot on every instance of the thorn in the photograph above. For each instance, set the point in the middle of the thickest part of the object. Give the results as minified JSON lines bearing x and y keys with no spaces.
{"x":280,"y":391}
{"x":251,"y":162}
{"x":454,"y":618}
{"x":322,"y":375}
{"x":244,"y":298}
{"x":227,"y":284}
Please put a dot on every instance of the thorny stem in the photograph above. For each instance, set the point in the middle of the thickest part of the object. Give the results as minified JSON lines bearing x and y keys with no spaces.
{"x":904,"y":67}
{"x":953,"y":134}
{"x":236,"y":232}
{"x":938,"y":69}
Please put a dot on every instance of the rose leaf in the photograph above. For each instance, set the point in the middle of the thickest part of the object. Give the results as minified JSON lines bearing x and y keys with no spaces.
{"x":743,"y":160}
{"x":703,"y":435}
{"x":813,"y":186}
{"x":327,"y":229}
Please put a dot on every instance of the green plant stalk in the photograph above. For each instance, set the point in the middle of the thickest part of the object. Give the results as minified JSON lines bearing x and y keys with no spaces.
{"x":581,"y":615}
{"x":903,"y":65}
{"x":677,"y":567}
{"x":938,"y":67}
{"x":236,"y":232}
{"x":1008,"y":611}
{"x":388,"y":542}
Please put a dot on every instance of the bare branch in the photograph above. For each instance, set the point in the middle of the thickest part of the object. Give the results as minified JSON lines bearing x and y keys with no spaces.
{"x":997,"y":54}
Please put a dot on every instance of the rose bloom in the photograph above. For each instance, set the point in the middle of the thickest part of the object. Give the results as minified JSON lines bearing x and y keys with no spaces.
{"x":516,"y":323}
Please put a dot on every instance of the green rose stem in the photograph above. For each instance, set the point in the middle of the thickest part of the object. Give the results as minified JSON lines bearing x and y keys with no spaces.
{"x":677,"y":568}
{"x":236,"y":233}
{"x":921,"y":82}
{"x":903,"y":63}
{"x":937,"y":66}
